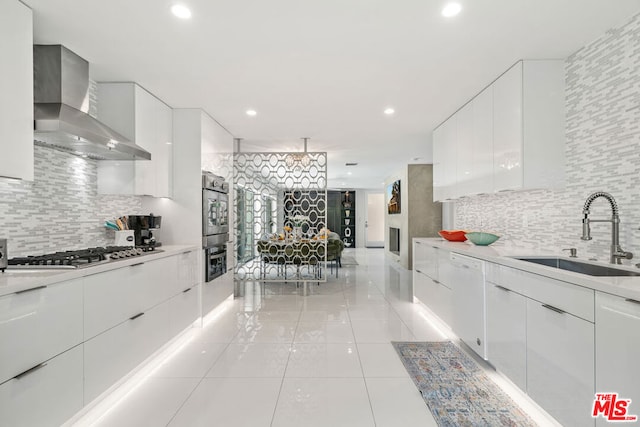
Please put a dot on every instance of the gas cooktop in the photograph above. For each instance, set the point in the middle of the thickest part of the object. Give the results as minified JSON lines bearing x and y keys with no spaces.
{"x":79,"y":258}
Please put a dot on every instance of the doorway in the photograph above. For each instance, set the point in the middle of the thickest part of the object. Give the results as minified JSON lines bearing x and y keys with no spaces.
{"x":374,"y":222}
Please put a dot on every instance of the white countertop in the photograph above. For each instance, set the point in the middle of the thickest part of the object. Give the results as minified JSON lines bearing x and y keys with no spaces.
{"x":500,"y":253}
{"x":12,"y":281}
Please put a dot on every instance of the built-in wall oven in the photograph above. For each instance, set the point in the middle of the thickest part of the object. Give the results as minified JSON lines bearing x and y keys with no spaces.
{"x":215,"y":224}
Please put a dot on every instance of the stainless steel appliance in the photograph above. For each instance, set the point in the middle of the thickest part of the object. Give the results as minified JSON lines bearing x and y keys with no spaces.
{"x":143,"y":226}
{"x":3,"y":254}
{"x":61,"y":105}
{"x":77,"y":259}
{"x":215,"y":256}
{"x":215,"y":205}
{"x":215,"y":224}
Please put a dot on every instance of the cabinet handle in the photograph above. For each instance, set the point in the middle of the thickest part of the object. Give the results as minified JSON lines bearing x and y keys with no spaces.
{"x":418,"y":271}
{"x":135,"y":265}
{"x":435,"y":281}
{"x":552,"y":308}
{"x":30,"y":290}
{"x":186,"y":252}
{"x":136,"y":316}
{"x":632,"y":300}
{"x":186,"y":290}
{"x":417,"y":243}
{"x":464,"y":266}
{"x":503,"y":288}
{"x":29,"y":371}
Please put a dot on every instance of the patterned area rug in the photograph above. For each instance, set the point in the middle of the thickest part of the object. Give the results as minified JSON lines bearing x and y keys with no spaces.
{"x":455,"y":388}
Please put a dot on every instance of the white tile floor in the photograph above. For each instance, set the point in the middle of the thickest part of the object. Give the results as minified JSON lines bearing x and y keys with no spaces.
{"x":277,"y":358}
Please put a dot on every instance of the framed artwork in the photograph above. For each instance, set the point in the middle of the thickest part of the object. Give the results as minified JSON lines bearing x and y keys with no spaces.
{"x":393,"y":195}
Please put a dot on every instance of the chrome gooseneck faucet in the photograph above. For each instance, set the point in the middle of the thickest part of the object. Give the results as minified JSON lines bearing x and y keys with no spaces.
{"x":617,"y":254}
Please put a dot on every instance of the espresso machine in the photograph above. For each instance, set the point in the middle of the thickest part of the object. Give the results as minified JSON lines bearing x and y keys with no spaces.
{"x":143,"y":227}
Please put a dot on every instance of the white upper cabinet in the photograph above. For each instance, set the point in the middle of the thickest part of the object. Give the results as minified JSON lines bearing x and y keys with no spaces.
{"x":16,"y":87}
{"x":147,"y":121}
{"x":481,"y":178}
{"x":438,"y":165}
{"x":507,"y":130}
{"x":509,"y":137}
{"x":464,"y":147}
{"x":444,"y":161}
{"x":529,"y":126}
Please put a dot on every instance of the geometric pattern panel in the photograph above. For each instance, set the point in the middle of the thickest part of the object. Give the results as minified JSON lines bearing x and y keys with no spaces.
{"x":281,"y":216}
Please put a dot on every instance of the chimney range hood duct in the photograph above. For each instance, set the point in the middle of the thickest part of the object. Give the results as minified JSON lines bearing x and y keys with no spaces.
{"x":61,"y":105}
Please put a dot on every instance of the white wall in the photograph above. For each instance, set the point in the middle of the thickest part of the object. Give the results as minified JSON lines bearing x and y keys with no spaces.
{"x":603,"y":154}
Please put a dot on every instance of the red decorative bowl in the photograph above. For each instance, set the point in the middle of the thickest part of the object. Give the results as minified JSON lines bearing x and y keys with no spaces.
{"x":453,"y":235}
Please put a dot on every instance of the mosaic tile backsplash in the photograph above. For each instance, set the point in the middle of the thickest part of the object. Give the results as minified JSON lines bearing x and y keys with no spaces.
{"x":61,"y":209}
{"x":602,"y":151}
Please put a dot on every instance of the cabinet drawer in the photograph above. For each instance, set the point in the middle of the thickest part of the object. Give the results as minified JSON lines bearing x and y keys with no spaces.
{"x":37,"y":324}
{"x":560,"y":364}
{"x":506,"y":333}
{"x":113,"y":297}
{"x":573,"y":299}
{"x":425,"y":259}
{"x":46,"y":396}
{"x":162,"y":280}
{"x":183,"y":309}
{"x":112,"y":354}
{"x":187,"y":271}
{"x":618,"y":349}
{"x":421,"y":285}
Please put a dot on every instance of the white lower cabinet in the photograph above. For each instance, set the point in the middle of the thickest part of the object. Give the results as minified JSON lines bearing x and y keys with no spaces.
{"x":426,"y":286}
{"x":216,"y":291}
{"x":434,"y":295}
{"x":618,"y":349}
{"x":183,"y":309}
{"x":187,"y":271}
{"x":112,"y":297}
{"x":45,"y":396}
{"x":37,"y":324}
{"x":506,"y":333}
{"x":112,"y":354}
{"x":64,"y":344}
{"x":441,"y":303}
{"x":560,"y":363}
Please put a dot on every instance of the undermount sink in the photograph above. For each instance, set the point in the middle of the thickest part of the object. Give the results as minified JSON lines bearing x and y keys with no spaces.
{"x":579,"y":267}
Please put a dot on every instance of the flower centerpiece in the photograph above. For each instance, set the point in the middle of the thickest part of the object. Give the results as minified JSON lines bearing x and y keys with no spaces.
{"x":298,"y":220}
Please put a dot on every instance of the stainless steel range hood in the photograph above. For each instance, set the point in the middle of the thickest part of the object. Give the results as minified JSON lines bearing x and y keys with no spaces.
{"x":61,"y":106}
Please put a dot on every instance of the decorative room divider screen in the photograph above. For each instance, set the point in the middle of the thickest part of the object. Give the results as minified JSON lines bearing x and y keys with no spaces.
{"x":280,"y":216}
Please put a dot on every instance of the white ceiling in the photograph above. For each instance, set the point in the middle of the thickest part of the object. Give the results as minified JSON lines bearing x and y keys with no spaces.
{"x":324,"y":69}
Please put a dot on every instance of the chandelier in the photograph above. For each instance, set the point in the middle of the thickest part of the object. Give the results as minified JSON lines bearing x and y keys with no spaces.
{"x":294,"y":160}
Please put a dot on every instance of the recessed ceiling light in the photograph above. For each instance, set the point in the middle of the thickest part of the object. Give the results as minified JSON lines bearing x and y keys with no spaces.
{"x":251,"y":113}
{"x":389,"y":111}
{"x":451,"y":9}
{"x":349,"y":173}
{"x":181,"y":11}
